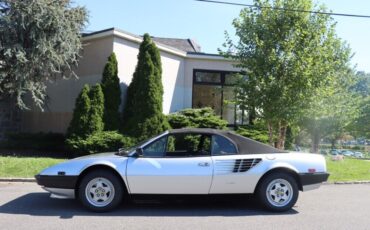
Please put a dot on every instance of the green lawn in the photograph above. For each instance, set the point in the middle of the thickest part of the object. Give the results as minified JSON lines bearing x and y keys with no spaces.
{"x":348,"y":170}
{"x":24,"y":166}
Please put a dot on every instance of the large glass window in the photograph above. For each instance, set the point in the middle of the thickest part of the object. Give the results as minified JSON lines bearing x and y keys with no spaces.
{"x":207,"y":96}
{"x":215,"y":89}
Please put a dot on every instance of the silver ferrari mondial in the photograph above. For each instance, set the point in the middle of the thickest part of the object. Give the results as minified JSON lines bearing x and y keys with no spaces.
{"x":187,"y":162}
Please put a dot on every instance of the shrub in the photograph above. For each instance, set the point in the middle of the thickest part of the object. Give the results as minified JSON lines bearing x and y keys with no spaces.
{"x":197,"y":118}
{"x":255,"y":133}
{"x":99,"y":142}
{"x":96,"y":110}
{"x":143,"y":115}
{"x":178,"y":121}
{"x":112,"y":94}
{"x":79,"y":124}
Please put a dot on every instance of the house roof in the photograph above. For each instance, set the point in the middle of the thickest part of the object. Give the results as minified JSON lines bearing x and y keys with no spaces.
{"x":187,"y":45}
{"x":177,"y":46}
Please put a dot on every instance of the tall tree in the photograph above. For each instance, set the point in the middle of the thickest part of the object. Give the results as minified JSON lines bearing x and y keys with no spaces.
{"x":79,"y":125}
{"x":39,"y":41}
{"x":143,"y":115}
{"x":332,"y":109}
{"x":96,"y":112}
{"x":360,"y":127}
{"x":112,"y":94}
{"x":286,"y":56}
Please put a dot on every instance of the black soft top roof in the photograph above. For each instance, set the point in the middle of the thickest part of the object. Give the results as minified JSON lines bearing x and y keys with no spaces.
{"x":245,"y":145}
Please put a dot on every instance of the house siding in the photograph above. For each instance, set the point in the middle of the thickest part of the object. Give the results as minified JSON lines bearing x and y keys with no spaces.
{"x":62,"y":93}
{"x":177,"y":78}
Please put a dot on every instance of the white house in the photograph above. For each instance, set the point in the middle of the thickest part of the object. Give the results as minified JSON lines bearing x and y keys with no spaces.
{"x":190,"y":78}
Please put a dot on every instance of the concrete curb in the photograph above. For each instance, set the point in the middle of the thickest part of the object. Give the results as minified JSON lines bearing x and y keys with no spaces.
{"x":325,"y":183}
{"x":17,"y":180}
{"x":348,"y":182}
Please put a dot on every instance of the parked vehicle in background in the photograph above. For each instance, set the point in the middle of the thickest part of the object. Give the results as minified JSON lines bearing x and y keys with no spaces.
{"x":335,"y":152}
{"x":358,"y":154}
{"x":347,"y":153}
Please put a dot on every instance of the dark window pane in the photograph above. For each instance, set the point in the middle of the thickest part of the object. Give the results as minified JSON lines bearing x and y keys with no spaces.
{"x":186,"y":145}
{"x":155,"y":149}
{"x":231,"y":78}
{"x":207,"y":96}
{"x":222,"y":146}
{"x":241,"y":116}
{"x":208,"y":77}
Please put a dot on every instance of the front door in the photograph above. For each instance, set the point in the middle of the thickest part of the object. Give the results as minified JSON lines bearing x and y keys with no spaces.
{"x":173,"y":164}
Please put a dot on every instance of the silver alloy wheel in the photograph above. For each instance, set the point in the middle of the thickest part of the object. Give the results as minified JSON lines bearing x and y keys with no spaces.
{"x":279,"y":192}
{"x":99,"y":192}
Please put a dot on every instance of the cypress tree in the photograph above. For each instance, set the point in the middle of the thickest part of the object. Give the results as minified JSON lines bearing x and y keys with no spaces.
{"x":96,"y":112}
{"x":112,"y":94}
{"x":78,"y":127}
{"x":143,"y":115}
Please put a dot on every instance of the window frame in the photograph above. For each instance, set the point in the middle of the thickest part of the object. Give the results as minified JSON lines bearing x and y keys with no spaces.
{"x":222,"y":84}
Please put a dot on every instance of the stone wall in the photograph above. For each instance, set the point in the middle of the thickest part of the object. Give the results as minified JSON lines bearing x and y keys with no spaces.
{"x":10,"y":119}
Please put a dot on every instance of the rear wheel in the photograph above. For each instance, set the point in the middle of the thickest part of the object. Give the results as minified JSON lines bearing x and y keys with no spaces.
{"x":278,"y":192}
{"x":100,"y":191}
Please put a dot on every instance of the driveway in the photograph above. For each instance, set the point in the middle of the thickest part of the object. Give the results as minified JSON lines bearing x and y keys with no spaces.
{"x":27,"y":206}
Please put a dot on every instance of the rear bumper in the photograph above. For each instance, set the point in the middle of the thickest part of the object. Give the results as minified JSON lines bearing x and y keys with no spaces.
{"x":311,"y":181}
{"x":63,"y":182}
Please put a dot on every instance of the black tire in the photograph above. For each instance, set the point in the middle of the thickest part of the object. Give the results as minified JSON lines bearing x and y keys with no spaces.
{"x":106,"y":177}
{"x":268,"y":183}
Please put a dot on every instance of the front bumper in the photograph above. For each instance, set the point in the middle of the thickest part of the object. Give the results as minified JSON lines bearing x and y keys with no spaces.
{"x":62,"y":181}
{"x":59,"y":186}
{"x":311,"y":181}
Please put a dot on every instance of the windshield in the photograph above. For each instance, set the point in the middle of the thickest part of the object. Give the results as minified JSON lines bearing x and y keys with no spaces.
{"x":127,"y":150}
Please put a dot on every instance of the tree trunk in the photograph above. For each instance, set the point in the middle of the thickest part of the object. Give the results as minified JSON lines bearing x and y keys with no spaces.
{"x":333,"y":143}
{"x":282,"y":134}
{"x":271,"y":133}
{"x":315,"y":142}
{"x":252,"y":116}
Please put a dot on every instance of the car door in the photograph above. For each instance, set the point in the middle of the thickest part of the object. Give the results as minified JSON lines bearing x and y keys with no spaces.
{"x":172,"y":164}
{"x":233,"y":172}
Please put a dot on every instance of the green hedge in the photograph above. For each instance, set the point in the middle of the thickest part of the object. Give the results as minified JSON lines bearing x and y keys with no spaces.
{"x":99,"y":142}
{"x":254,"y":133}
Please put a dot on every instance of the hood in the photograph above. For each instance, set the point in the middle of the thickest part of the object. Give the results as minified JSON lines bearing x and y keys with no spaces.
{"x":98,"y":155}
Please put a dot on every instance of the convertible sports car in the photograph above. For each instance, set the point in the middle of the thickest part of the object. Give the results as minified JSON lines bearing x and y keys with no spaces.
{"x":187,"y":162}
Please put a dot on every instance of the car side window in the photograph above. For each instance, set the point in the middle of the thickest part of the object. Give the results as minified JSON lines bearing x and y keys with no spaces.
{"x":222,"y":146}
{"x":188,"y":145}
{"x":156,"y":148}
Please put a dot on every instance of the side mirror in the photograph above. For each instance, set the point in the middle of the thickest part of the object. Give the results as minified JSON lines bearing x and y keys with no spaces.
{"x":139,"y":151}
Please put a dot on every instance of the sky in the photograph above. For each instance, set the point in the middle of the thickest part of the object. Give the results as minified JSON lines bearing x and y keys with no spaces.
{"x":206,"y":22}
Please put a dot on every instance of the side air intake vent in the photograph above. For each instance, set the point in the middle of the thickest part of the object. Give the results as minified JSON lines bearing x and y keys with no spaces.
{"x":243,"y":165}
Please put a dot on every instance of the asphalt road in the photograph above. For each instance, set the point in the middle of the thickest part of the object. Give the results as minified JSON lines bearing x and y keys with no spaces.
{"x":27,"y":206}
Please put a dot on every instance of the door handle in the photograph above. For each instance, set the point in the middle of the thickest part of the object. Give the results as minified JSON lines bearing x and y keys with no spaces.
{"x":203,"y":164}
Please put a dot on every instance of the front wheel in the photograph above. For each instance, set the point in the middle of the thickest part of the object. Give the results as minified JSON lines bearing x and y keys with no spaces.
{"x":100,"y":191}
{"x":278,"y":192}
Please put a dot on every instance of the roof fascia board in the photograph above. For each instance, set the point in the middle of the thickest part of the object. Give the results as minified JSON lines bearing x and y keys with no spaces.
{"x":208,"y":57}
